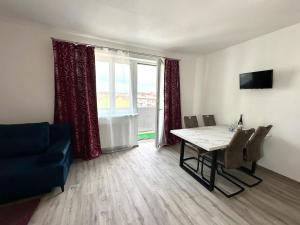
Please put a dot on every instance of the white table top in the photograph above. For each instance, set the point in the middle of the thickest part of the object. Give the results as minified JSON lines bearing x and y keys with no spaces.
{"x":208,"y":138}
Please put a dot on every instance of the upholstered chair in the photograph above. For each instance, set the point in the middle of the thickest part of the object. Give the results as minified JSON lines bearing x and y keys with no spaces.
{"x":233,"y":154}
{"x":209,"y":120}
{"x":253,"y":147}
{"x":231,"y":158}
{"x":190,"y":121}
{"x":252,"y":153}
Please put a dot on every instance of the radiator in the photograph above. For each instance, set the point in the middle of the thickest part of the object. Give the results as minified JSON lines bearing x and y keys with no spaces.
{"x":118,"y":132}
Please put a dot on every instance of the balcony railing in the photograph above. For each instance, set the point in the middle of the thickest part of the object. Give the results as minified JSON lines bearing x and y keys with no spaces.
{"x":146,"y":121}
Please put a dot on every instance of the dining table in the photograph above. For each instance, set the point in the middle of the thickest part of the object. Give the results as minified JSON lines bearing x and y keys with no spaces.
{"x":208,"y":139}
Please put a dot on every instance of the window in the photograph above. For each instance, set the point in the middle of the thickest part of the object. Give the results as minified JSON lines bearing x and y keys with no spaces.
{"x":122,"y":86}
{"x":113,"y":87}
{"x":146,"y":86}
{"x":103,"y":83}
{"x":116,"y":77}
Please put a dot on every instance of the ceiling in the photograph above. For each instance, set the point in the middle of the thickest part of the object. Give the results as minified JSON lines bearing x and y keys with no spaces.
{"x":191,"y":26}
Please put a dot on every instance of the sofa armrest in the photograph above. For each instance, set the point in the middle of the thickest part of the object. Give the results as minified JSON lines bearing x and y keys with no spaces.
{"x":56,"y":152}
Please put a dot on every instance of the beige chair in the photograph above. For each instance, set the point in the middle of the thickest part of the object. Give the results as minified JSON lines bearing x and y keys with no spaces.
{"x":233,"y":154}
{"x":231,"y":158}
{"x":190,"y":121}
{"x":253,"y":148}
{"x":209,"y":120}
{"x":252,"y":153}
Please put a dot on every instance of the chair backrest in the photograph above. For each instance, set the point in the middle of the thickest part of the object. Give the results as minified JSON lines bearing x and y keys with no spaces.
{"x":253,"y":147}
{"x":190,"y":121}
{"x":233,"y":155}
{"x":209,"y":120}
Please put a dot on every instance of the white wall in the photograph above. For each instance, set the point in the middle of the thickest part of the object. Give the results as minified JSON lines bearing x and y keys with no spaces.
{"x":26,"y":70}
{"x":279,"y":106}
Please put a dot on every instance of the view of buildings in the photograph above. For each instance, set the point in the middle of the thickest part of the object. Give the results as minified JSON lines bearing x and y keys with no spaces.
{"x":144,"y":100}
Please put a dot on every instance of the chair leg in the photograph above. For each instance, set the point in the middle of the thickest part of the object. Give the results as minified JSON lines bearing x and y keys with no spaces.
{"x":198,"y":162}
{"x":202,"y":162}
{"x":62,"y":188}
{"x":199,"y":156}
{"x":250,"y":172}
{"x":259,"y":180}
{"x":195,"y":158}
{"x":241,"y":189}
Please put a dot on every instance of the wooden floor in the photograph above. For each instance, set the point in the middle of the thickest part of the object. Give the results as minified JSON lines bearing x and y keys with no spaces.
{"x":146,"y":186}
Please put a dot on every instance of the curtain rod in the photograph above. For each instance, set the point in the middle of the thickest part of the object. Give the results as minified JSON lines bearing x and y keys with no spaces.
{"x":114,"y":49}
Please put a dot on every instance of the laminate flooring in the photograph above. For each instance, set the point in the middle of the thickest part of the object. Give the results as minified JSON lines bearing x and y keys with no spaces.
{"x":146,"y":186}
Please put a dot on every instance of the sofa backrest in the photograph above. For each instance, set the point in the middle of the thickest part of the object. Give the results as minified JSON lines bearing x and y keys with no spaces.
{"x":59,"y":131}
{"x":19,"y":140}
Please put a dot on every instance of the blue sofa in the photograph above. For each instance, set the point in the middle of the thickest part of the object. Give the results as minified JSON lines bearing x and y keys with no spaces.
{"x":34,"y":158}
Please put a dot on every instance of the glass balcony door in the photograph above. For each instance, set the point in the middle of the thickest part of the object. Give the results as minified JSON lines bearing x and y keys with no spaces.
{"x":146,"y":100}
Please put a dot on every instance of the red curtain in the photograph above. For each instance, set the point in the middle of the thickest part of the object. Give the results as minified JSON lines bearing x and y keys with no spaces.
{"x":172,"y":109}
{"x":75,"y":96}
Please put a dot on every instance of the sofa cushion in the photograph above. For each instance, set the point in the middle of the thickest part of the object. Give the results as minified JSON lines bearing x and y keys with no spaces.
{"x":20,"y":175}
{"x":56,"y":152}
{"x":23,"y":139}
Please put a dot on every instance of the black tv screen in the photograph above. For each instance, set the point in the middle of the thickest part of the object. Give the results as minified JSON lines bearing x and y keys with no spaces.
{"x":256,"y":80}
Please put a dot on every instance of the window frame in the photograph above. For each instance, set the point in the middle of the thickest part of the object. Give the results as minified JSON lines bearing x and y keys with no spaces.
{"x":133,"y":67}
{"x":112,"y":109}
{"x":146,"y":64}
{"x":107,"y":110}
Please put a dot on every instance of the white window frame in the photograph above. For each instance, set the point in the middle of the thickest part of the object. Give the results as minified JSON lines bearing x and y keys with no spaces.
{"x":133,"y":64}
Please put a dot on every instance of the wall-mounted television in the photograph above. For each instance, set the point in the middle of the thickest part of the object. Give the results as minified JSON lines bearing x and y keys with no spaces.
{"x":256,"y":80}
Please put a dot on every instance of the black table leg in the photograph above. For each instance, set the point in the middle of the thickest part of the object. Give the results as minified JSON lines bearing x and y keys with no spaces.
{"x":213,"y":170}
{"x":208,"y":184}
{"x":181,"y":152}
